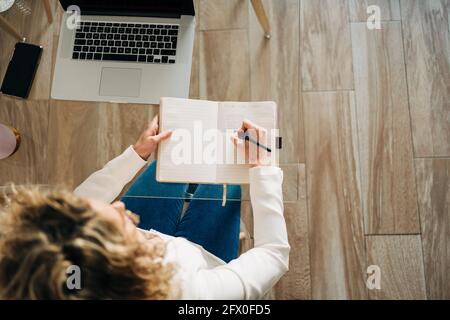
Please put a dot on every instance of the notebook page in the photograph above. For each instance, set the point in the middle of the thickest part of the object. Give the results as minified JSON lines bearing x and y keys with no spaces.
{"x":179,"y":158}
{"x":231,"y":116}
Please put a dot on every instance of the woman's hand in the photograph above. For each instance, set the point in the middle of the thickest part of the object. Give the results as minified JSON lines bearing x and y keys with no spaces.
{"x":149,"y":139}
{"x":254,"y":155}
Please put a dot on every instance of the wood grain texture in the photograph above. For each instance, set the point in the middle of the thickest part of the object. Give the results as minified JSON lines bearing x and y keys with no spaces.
{"x":194,"y":88}
{"x":427,"y":49}
{"x":336,"y":234}
{"x":291,"y":179}
{"x":274,"y":66}
{"x":296,"y":283}
{"x":7,"y":27}
{"x":433,"y":185}
{"x":83,"y":137}
{"x":223,"y":14}
{"x":58,"y":15}
{"x":389,"y":9}
{"x":385,"y":142}
{"x":224,"y":65}
{"x":290,"y":183}
{"x":325,"y":44}
{"x":38,"y":31}
{"x":401,"y":266}
{"x":29,"y":164}
{"x":247,"y":217}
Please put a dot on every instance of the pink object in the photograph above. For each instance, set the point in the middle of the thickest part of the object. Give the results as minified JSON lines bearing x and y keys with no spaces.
{"x":9,"y":141}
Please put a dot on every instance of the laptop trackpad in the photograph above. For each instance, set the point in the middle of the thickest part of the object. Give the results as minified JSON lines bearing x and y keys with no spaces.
{"x":120,"y":82}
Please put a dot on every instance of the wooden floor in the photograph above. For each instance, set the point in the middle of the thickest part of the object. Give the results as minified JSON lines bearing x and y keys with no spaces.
{"x":365,"y":117}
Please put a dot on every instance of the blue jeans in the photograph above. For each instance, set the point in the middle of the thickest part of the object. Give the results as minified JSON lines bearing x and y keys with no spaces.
{"x":205,"y":222}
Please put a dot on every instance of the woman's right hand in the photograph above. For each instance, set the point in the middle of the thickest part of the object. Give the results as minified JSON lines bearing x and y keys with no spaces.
{"x":254,"y":155}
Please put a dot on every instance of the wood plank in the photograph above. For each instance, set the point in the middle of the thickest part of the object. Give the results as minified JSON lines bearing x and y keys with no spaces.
{"x":247,"y":218}
{"x":58,"y":16}
{"x":427,"y":50}
{"x":325,"y":44}
{"x":194,"y":89}
{"x":293,"y":182}
{"x":36,"y":29}
{"x":29,"y":164}
{"x":223,"y":14}
{"x":296,"y":283}
{"x":389,"y":9}
{"x":72,"y":142}
{"x":40,"y":32}
{"x":274,"y":66}
{"x":400,"y":261}
{"x":290,"y":183}
{"x":7,"y":27}
{"x":385,"y":142}
{"x":224,"y":65}
{"x":83,"y":137}
{"x":334,"y":201}
{"x":433,"y":185}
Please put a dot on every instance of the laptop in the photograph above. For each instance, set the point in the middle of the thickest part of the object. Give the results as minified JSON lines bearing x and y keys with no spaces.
{"x":131,"y":51}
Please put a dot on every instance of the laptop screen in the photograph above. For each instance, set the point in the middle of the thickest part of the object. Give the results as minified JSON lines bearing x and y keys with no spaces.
{"x":132,"y":7}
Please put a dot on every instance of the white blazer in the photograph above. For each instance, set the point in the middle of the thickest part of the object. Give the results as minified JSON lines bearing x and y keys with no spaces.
{"x":201,"y":275}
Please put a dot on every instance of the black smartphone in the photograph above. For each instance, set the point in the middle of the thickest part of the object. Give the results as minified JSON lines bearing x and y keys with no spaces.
{"x":21,"y":70}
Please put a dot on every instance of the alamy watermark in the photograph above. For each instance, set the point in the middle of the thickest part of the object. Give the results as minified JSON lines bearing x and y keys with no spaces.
{"x":374,"y":277}
{"x":374,"y":19}
{"x":74,"y":19}
{"x":73,"y":281}
{"x":216,"y":147}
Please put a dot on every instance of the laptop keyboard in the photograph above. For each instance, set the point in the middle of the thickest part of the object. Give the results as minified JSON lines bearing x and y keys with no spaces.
{"x":130,"y":42}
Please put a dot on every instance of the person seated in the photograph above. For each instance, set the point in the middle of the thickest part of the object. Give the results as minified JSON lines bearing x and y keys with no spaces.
{"x":45,"y":237}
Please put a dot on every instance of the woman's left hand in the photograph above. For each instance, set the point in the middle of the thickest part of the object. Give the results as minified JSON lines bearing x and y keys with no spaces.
{"x":149,"y":139}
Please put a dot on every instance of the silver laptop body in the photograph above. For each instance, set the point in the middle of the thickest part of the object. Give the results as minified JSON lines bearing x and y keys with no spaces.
{"x":89,"y":75}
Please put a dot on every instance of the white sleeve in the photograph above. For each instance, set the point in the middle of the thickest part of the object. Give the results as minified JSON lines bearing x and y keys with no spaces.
{"x":255,"y":272}
{"x":107,"y":183}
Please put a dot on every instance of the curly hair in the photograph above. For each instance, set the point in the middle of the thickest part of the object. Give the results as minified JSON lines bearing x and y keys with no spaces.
{"x":42,"y":234}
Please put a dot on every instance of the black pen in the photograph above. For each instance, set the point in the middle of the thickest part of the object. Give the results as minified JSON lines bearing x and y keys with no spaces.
{"x":245,"y":136}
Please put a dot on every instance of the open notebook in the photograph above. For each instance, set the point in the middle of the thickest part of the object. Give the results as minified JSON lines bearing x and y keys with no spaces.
{"x":200,"y":149}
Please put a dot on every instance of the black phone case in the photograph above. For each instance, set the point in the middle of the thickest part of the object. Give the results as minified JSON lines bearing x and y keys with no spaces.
{"x":7,"y":87}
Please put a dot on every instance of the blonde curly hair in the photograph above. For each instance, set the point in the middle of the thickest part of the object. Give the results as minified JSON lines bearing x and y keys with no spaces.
{"x":42,"y":234}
